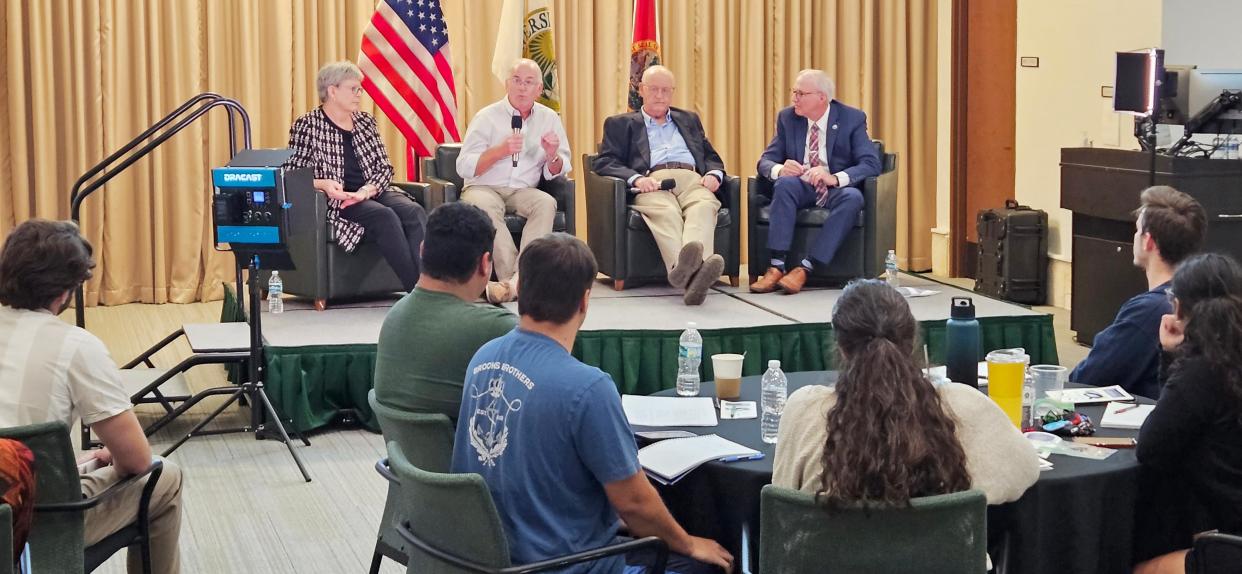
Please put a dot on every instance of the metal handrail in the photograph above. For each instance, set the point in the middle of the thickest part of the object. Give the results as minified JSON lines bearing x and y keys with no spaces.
{"x":188,"y":114}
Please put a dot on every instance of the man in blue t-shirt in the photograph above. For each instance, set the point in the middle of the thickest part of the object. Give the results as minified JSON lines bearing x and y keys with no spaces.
{"x":548,"y":434}
{"x":1170,"y":227}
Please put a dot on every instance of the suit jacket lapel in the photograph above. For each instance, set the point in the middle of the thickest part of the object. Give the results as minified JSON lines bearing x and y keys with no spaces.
{"x":644,"y":145}
{"x":830,"y":138}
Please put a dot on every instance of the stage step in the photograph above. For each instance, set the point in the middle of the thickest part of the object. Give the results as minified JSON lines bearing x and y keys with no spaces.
{"x":134,"y":380}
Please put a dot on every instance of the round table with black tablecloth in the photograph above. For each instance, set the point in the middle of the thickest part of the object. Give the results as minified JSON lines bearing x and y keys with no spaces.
{"x":1077,"y":518}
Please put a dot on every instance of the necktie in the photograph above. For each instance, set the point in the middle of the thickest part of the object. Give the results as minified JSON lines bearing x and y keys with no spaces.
{"x":821,"y":190}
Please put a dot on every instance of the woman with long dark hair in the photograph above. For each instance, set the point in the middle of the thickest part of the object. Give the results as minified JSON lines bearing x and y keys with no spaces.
{"x":1190,"y":446}
{"x":885,"y":433}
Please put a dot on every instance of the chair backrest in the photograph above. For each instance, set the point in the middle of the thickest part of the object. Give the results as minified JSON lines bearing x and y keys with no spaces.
{"x":1215,"y":553}
{"x":56,"y":539}
{"x":444,"y":163}
{"x":8,"y":554}
{"x":945,"y":533}
{"x":451,"y":512}
{"x":425,"y":439}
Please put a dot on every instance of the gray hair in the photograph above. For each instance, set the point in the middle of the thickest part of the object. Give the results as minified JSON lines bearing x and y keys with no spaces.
{"x":657,"y":69}
{"x":520,"y":62}
{"x":821,"y":80}
{"x":333,"y":74}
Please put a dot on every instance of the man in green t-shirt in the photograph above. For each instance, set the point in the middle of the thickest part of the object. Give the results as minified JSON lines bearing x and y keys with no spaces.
{"x":430,"y":335}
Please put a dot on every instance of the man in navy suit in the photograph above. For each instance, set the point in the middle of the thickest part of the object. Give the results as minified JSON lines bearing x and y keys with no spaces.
{"x":820,"y":152}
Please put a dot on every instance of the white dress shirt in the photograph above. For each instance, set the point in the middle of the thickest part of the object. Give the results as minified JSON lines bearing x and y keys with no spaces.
{"x":843,"y":179}
{"x":491,"y":126}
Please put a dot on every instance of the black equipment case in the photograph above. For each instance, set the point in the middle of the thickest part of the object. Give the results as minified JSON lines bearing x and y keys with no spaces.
{"x":1013,"y":254}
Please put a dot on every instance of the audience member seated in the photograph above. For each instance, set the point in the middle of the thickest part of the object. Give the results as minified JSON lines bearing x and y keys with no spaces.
{"x":343,"y":146}
{"x":1170,"y":227}
{"x":429,"y":335}
{"x":884,"y":433}
{"x":548,"y":434}
{"x":51,"y":370}
{"x":661,"y":142}
{"x":1190,"y":446}
{"x":819,"y":156}
{"x":500,"y":169}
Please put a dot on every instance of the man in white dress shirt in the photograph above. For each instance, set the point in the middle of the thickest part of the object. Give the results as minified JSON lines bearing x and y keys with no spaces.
{"x":497,"y":185}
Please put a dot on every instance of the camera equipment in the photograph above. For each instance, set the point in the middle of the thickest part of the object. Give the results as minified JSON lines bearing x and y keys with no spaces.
{"x":249,"y":215}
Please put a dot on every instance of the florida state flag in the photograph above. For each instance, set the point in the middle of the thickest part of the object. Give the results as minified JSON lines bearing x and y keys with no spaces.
{"x":645,"y":50}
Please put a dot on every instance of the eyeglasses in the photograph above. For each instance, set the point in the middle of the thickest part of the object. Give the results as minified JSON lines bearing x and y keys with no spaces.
{"x":801,"y":94}
{"x":355,"y":90}
{"x":525,"y":83}
{"x":660,"y":90}
{"x":1168,"y":293}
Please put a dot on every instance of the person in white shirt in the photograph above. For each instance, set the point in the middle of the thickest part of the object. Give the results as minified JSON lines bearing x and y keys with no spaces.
{"x":53,"y":371}
{"x":497,"y":184}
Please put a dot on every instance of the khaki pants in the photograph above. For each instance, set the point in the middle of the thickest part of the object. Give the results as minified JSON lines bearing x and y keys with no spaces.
{"x":121,"y":510}
{"x":677,"y":217}
{"x":535,"y":205}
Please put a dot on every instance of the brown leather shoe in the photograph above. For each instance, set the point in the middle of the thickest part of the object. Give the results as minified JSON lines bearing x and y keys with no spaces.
{"x":793,"y":281}
{"x":767,"y":283}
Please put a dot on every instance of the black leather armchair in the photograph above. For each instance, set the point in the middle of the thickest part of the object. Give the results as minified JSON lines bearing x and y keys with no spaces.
{"x":440,"y":172}
{"x":622,"y":243}
{"x":863,"y":252}
{"x":325,"y":272}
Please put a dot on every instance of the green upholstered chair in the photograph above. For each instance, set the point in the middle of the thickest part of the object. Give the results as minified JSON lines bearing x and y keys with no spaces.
{"x":1215,"y":553}
{"x":427,"y":441}
{"x":57,"y":542}
{"x":476,"y":542}
{"x":7,"y":558}
{"x":935,"y":534}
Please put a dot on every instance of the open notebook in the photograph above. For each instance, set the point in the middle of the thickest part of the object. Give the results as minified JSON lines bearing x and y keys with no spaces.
{"x":668,"y":461}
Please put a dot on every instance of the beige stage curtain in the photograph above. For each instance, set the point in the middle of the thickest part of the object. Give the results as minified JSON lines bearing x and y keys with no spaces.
{"x":80,"y":79}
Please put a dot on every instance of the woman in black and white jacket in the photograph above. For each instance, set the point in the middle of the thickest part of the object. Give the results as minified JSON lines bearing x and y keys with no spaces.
{"x":343,"y":146}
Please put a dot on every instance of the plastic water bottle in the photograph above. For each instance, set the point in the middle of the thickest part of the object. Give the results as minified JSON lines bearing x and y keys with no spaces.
{"x":689,"y":355}
{"x":275,"y":288}
{"x":890,"y":269}
{"x":962,"y":343}
{"x":774,"y":387}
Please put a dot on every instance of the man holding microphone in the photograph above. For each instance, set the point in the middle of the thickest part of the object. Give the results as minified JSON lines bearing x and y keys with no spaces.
{"x":509,"y":146}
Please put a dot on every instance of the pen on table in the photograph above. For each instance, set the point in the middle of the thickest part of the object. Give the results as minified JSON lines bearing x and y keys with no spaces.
{"x":742,"y":457}
{"x":1126,"y":408}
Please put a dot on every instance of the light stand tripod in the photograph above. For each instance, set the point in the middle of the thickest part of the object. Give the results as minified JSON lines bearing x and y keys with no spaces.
{"x":251,"y":388}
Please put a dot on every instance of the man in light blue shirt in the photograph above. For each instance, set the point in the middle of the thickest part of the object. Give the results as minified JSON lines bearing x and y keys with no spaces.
{"x":548,"y":434}
{"x":663,"y":143}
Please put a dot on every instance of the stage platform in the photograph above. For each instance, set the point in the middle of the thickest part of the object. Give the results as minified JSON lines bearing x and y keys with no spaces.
{"x":322,"y":363}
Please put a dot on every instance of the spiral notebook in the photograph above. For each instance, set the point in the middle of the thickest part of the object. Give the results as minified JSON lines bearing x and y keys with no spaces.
{"x":668,"y":461}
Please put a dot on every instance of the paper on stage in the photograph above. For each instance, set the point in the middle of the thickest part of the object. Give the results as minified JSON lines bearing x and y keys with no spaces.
{"x":669,"y":411}
{"x":668,"y":460}
{"x":913,"y":292}
{"x":1132,"y":418}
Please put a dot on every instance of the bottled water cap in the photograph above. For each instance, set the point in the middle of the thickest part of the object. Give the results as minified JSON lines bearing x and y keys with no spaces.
{"x":774,"y":364}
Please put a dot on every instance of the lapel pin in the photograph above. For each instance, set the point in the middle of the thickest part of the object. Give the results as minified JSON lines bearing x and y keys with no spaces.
{"x":834,"y":126}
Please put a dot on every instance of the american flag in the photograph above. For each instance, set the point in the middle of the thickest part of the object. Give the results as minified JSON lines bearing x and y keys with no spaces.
{"x":407,"y":71}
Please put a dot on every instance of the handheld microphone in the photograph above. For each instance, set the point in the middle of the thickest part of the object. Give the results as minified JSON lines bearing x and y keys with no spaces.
{"x":665,"y":185}
{"x":516,"y":124}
